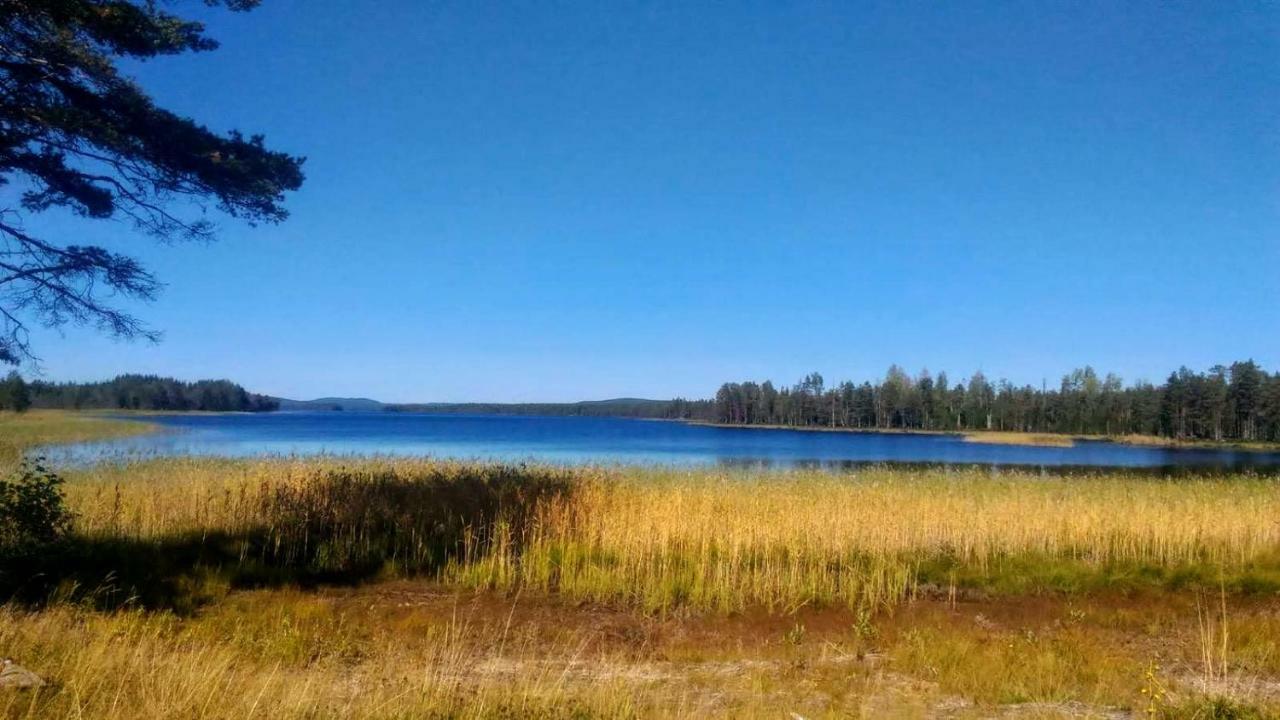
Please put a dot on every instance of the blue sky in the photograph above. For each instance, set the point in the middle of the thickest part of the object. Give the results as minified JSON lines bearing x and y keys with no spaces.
{"x":532,"y":201}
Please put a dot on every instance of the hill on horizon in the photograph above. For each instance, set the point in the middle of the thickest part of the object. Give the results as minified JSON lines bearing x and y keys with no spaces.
{"x":331,"y":403}
{"x":612,"y":407}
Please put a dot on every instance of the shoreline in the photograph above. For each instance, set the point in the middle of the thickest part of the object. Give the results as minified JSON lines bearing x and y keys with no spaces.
{"x":818,"y":428}
{"x":1014,"y":437}
{"x":875,"y":592}
{"x":20,"y":432}
{"x":100,"y":424}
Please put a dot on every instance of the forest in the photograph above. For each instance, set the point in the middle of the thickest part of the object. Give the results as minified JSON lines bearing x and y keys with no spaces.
{"x":148,"y":392}
{"x":1239,"y":402}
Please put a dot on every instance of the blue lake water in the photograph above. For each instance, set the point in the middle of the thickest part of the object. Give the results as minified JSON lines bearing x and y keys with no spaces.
{"x":578,"y":440}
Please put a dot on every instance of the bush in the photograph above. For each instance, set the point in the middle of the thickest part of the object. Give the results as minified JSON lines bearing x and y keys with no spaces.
{"x":33,"y":513}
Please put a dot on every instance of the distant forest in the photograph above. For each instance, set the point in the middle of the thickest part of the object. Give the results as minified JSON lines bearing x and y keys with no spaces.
{"x":149,"y":392}
{"x":1239,"y":402}
{"x":1236,"y":402}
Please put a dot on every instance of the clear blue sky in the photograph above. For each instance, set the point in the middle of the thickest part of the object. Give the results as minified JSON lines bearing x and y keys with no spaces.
{"x":533,"y":201}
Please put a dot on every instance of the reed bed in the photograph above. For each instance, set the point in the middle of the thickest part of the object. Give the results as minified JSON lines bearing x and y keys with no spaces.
{"x":161,"y":542}
{"x":1006,"y":437}
{"x":870,"y":538}
{"x":19,"y":431}
{"x":161,"y":498}
{"x":662,"y":539}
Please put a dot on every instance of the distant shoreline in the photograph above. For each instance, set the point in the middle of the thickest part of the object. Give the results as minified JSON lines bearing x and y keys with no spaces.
{"x":1013,"y":437}
{"x":991,"y":437}
{"x":816,"y":428}
{"x":38,"y":427}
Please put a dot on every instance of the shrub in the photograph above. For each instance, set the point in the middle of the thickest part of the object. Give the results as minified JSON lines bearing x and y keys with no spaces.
{"x":33,"y":514}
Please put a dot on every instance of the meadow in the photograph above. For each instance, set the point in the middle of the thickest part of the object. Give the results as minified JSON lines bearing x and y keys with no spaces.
{"x":377,"y":587}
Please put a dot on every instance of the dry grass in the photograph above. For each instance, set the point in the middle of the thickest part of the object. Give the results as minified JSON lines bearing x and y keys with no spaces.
{"x":411,"y":649}
{"x":726,"y":542}
{"x":1019,"y":438}
{"x":316,"y":588}
{"x":661,"y":539}
{"x":290,"y":658}
{"x":1158,"y":441}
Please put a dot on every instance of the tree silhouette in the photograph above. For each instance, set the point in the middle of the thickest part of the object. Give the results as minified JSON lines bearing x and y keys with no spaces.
{"x":76,"y":134}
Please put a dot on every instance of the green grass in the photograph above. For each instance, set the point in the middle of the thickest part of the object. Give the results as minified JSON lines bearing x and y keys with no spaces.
{"x":21,"y":431}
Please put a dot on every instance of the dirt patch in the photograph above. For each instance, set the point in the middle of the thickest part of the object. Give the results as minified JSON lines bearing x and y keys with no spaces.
{"x":820,"y":662}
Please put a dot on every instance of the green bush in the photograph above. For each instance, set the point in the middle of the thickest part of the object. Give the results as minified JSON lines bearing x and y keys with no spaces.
{"x":33,"y":513}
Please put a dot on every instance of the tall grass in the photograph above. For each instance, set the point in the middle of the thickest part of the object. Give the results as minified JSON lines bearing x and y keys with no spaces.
{"x":21,"y":431}
{"x":726,"y":542}
{"x":660,"y":539}
{"x":169,"y":532}
{"x":175,"y":534}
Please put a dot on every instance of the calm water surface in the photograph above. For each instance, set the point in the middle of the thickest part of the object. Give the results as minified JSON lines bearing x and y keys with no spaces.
{"x":577,"y":440}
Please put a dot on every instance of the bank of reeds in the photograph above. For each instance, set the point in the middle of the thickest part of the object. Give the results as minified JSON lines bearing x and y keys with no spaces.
{"x":660,"y":539}
{"x":877,"y":536}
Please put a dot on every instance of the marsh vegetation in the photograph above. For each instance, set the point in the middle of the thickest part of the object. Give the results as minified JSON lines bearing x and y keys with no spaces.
{"x":218,"y":588}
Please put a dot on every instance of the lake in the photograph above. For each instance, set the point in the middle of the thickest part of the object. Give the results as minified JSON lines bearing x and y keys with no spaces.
{"x":579,"y":440}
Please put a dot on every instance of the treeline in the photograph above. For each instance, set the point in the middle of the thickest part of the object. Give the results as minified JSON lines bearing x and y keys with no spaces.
{"x":621,"y":407}
{"x":14,"y":393}
{"x":149,"y":392}
{"x":1236,"y":402}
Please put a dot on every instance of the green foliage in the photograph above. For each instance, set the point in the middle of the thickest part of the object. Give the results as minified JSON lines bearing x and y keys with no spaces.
{"x":148,"y":392}
{"x":1041,"y":574}
{"x":14,"y":394}
{"x":1239,"y":403}
{"x":864,"y":628}
{"x":33,"y":514}
{"x":77,"y":134}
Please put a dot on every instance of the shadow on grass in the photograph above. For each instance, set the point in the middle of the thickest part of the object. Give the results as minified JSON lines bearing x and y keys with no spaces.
{"x":342,"y":528}
{"x":1033,"y":574}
